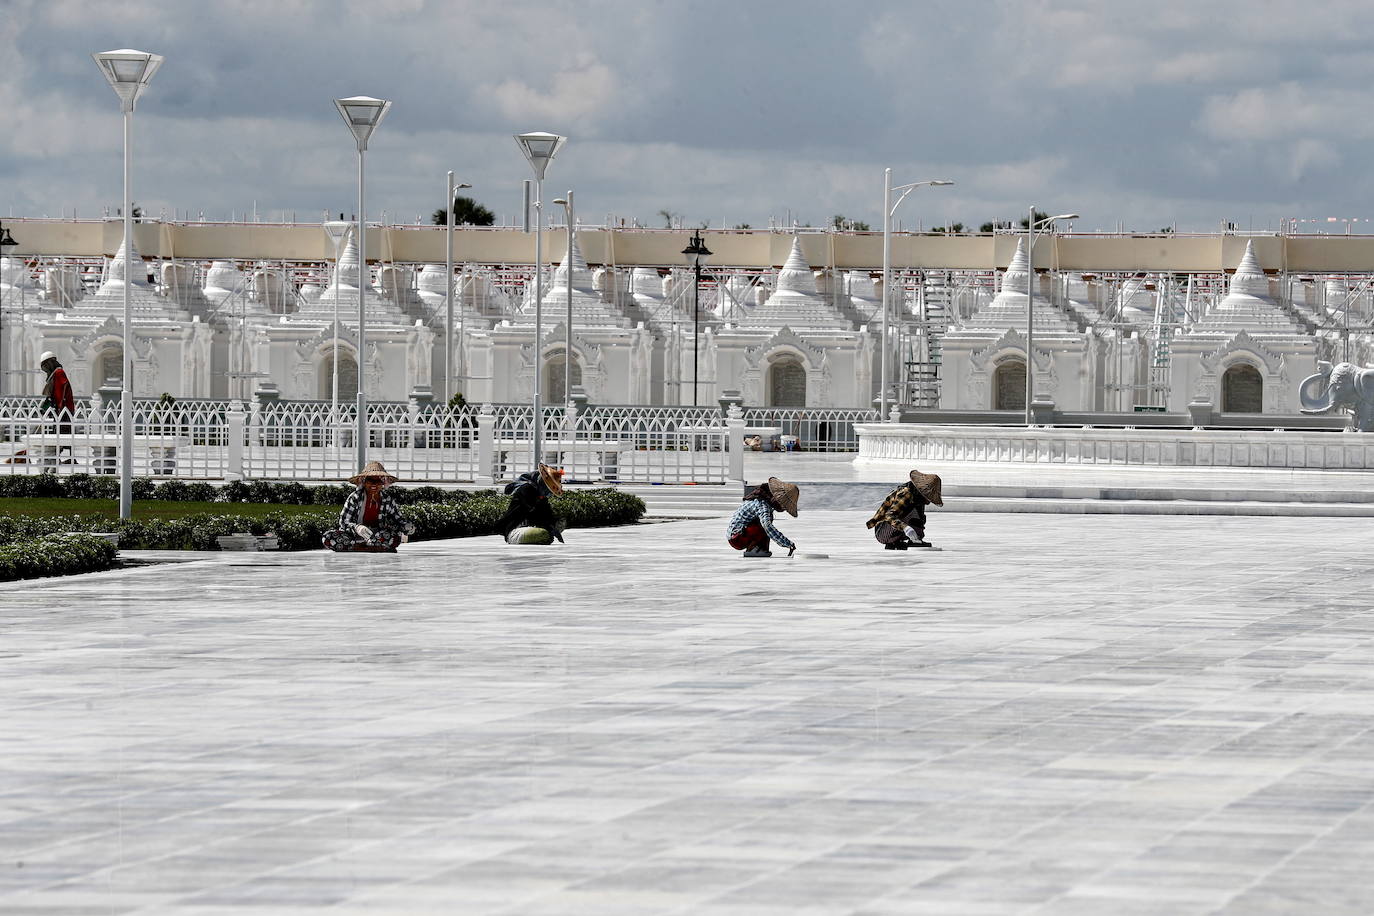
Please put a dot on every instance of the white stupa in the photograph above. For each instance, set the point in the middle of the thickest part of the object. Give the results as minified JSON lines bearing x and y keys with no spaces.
{"x":795,"y":302}
{"x":432,"y":287}
{"x":127,"y":267}
{"x":1247,"y":305}
{"x":1008,"y":308}
{"x":588,"y":309}
{"x":224,"y":280}
{"x":343,"y":292}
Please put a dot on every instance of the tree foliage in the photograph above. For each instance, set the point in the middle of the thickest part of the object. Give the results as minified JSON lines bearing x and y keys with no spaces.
{"x":466,"y":212}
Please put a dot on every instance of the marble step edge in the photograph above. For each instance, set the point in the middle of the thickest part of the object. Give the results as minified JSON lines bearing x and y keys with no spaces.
{"x":1156,"y":507}
{"x":1278,"y":494}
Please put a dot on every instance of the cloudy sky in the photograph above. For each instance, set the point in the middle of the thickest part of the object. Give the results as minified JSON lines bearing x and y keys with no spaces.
{"x":722,"y":111}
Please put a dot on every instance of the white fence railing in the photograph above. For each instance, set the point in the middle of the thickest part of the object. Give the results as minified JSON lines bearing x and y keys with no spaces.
{"x":311,"y":441}
{"x":817,"y":429}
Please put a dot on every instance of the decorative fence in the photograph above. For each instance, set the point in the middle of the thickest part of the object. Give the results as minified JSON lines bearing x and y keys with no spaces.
{"x":816,"y":429}
{"x":313,"y":441}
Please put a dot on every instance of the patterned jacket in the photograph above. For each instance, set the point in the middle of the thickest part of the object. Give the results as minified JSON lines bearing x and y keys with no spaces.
{"x":389,"y":518}
{"x":756,"y":510}
{"x":899,"y":507}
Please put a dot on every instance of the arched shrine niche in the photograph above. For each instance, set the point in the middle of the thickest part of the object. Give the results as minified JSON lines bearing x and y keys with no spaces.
{"x":108,"y":367}
{"x":348,"y":376}
{"x":786,"y":383}
{"x":1242,"y":389}
{"x":1009,"y":385}
{"x":554,"y":380}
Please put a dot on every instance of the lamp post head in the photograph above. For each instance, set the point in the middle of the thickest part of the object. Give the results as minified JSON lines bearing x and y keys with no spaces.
{"x":696,"y":251}
{"x":459,"y":187}
{"x":362,"y":114}
{"x":539,"y":148}
{"x":128,"y":72}
{"x":940,"y":183}
{"x":1064,"y":216}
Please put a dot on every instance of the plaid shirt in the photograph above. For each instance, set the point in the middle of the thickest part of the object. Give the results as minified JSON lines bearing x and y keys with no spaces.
{"x":389,"y":516}
{"x":756,"y":510}
{"x":898,"y":508}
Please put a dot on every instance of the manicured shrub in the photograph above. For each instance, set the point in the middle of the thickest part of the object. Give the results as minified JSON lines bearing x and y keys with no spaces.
{"x":55,"y":555}
{"x":201,"y":492}
{"x":172,"y":490}
{"x":472,"y":514}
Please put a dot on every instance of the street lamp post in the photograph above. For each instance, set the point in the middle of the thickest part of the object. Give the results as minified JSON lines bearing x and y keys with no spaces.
{"x":449,"y":220}
{"x":567,"y":328}
{"x":1033,"y":228}
{"x":890,"y":208}
{"x":539,"y":148}
{"x":362,"y":114}
{"x":7,"y":245}
{"x":696,"y":254}
{"x":128,"y":73}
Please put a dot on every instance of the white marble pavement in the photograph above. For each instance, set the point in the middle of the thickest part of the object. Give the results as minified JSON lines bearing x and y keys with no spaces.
{"x":1054,"y":715}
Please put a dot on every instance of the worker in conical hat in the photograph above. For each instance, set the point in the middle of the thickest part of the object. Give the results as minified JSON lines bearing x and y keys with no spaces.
{"x":751,"y":528}
{"x":529,"y":518}
{"x":900,"y":521}
{"x":370,"y":520}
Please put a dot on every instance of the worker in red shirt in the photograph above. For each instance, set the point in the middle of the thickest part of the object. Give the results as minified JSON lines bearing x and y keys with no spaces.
{"x":57,"y":391}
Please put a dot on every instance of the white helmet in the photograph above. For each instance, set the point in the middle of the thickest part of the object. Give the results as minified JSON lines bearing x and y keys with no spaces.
{"x":47,"y":355}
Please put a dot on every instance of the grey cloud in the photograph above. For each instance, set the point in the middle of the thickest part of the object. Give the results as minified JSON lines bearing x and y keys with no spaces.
{"x":717,"y":110}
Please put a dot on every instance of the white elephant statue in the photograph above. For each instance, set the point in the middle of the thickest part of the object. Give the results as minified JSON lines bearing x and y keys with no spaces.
{"x":1345,"y":386}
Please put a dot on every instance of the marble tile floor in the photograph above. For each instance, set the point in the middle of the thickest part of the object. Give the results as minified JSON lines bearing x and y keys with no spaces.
{"x":1054,"y":715}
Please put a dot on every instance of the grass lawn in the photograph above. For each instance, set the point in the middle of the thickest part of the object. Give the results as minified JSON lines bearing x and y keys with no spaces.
{"x":150,"y":508}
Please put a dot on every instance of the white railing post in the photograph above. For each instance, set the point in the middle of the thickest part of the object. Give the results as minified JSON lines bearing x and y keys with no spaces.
{"x":233,"y":467}
{"x":486,"y":446}
{"x":734,"y":424}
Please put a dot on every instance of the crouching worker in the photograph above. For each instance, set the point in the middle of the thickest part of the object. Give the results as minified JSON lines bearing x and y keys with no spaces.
{"x":529,"y":518}
{"x":900,"y":521}
{"x":751,"y":527}
{"x":371,"y":521}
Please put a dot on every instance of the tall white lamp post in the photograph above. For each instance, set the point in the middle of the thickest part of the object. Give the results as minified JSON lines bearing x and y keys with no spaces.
{"x":890,"y":208}
{"x":539,"y":148}
{"x":571,"y":215}
{"x":128,"y":73}
{"x":362,"y":114}
{"x":1033,"y":228}
{"x":449,"y":220}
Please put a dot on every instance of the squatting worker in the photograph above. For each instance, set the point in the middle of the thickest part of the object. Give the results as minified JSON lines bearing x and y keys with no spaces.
{"x":57,"y":391}
{"x":900,"y":521}
{"x":370,"y":521}
{"x":751,"y":527}
{"x":529,"y":503}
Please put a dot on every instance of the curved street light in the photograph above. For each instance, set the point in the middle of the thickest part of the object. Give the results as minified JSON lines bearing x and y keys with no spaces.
{"x":570,"y":214}
{"x":890,"y":208}
{"x":1034,"y":228}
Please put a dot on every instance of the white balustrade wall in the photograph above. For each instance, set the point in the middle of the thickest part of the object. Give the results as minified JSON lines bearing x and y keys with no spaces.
{"x":1284,"y":449}
{"x":310,"y":441}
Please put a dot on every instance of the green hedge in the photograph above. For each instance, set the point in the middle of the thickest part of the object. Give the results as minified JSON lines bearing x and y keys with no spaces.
{"x":55,"y":555}
{"x":476,"y":514}
{"x":87,"y":486}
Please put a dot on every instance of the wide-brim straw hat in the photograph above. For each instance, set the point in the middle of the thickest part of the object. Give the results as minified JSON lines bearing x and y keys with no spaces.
{"x":784,"y":495}
{"x":928,"y":485}
{"x":373,"y":469}
{"x":553,"y":479}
